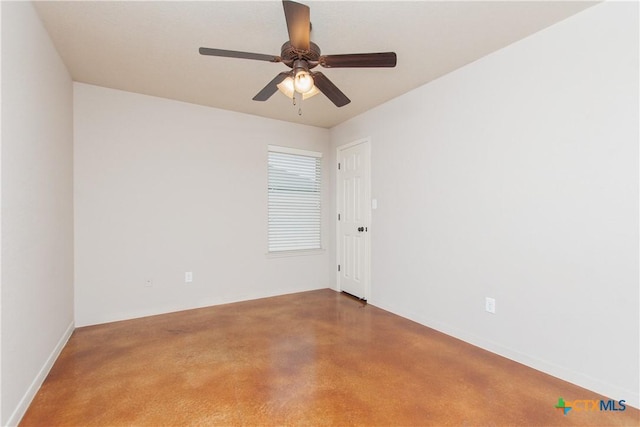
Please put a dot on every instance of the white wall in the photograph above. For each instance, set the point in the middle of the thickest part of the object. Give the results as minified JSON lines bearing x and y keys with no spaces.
{"x":164,"y":187}
{"x":516,"y":177}
{"x":37,"y":207}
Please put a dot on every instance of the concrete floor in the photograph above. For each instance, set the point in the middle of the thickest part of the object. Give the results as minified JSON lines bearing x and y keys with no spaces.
{"x":314,"y":358}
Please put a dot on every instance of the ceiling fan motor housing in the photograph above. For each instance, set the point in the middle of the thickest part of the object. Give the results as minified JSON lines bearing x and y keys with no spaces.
{"x":290,"y":55}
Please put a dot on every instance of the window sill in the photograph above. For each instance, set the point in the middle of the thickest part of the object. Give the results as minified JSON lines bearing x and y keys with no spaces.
{"x":305,"y":252}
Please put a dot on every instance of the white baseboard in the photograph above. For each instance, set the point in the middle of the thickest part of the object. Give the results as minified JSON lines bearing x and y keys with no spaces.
{"x":596,"y":385}
{"x":26,"y":400}
{"x":82,"y":321}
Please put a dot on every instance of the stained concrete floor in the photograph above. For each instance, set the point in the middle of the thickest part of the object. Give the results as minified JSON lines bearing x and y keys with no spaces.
{"x":316,"y":358}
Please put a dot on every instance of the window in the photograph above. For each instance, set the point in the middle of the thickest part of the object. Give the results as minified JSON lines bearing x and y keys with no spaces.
{"x":294,"y":199}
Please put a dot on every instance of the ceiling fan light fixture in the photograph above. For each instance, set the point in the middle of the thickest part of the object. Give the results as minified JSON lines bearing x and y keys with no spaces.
{"x":311,"y":92}
{"x":302,"y":82}
{"x":287,"y":87}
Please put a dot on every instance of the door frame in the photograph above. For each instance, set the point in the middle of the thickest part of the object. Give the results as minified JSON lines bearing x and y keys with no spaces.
{"x":367,"y":215}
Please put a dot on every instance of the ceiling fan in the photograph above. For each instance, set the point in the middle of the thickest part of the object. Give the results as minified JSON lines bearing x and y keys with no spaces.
{"x":302,"y":55}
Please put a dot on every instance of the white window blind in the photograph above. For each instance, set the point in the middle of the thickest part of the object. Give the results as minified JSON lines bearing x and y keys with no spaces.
{"x":294,"y":199}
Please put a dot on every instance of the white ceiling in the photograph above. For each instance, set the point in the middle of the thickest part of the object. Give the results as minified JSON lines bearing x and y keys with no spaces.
{"x":151,"y":47}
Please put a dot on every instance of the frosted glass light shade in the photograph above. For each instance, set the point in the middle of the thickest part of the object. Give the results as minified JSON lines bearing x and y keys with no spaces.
{"x":287,"y":87}
{"x":303,"y":82}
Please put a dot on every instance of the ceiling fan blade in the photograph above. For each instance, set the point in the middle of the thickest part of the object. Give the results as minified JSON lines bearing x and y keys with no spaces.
{"x":359,"y":60}
{"x":237,"y":54}
{"x":270,"y":88}
{"x":298,"y":24}
{"x":330,"y":90}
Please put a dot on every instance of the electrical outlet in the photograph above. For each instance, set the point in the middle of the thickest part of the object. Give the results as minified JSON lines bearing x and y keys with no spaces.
{"x":188,"y":277}
{"x":148,"y":283}
{"x":490,"y":305}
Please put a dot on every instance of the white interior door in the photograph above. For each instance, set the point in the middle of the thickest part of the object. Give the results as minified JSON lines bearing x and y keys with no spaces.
{"x":354,"y":215}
